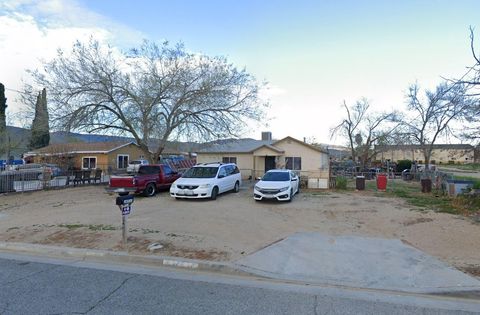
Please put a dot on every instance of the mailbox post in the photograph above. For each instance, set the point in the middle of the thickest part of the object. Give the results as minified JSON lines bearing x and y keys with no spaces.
{"x":124,"y":203}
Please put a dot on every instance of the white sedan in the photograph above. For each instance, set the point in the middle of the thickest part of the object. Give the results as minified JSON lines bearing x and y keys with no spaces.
{"x":281,"y":185}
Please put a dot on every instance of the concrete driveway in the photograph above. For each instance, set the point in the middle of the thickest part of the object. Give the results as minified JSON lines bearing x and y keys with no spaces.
{"x":355,"y":261}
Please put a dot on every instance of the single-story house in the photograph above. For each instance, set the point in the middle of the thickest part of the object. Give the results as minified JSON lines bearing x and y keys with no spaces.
{"x":109,"y":156}
{"x":441,"y":153}
{"x":255,"y":157}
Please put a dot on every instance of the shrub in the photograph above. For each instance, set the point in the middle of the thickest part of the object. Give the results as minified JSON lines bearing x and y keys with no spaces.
{"x":341,"y":182}
{"x":404,"y":165}
{"x":476,"y":184}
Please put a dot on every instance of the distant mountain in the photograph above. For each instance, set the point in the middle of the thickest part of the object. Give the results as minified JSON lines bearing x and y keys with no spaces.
{"x":67,"y":137}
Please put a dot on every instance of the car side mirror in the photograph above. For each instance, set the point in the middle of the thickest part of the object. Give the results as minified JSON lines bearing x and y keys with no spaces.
{"x":294,"y":179}
{"x":221,"y":176}
{"x":258,"y":178}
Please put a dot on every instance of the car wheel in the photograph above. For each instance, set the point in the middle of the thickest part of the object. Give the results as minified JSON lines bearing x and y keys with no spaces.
{"x":214,"y":194}
{"x":236,"y":188}
{"x":150,"y":190}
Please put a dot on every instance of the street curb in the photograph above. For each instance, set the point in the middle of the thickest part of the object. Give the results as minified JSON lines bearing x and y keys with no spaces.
{"x":121,"y":257}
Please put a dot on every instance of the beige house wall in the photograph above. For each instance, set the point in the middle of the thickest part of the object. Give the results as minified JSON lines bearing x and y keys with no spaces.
{"x":244,"y":161}
{"x":105,"y":161}
{"x":315,"y":164}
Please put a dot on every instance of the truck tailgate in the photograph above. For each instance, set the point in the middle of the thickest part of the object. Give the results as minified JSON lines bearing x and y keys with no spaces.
{"x":121,"y":181}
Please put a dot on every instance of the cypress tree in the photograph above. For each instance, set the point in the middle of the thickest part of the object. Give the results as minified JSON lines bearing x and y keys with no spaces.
{"x":3,"y":122}
{"x":40,"y":127}
{"x":3,"y":108}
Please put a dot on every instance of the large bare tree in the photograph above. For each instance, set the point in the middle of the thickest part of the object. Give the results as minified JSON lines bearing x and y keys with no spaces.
{"x":471,"y":81}
{"x":432,"y":114}
{"x":153,"y":93}
{"x":363,"y":129}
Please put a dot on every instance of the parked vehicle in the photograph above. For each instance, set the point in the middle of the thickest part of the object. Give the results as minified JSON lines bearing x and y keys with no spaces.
{"x":35,"y":171}
{"x":148,"y":180}
{"x":207,"y":181}
{"x":281,"y":185}
{"x":134,"y":165}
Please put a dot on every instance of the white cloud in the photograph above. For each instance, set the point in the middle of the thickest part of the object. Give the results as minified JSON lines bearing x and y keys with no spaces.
{"x":34,"y":30}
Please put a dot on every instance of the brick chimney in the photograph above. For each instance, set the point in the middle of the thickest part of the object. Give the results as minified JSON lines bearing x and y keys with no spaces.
{"x":266,"y":136}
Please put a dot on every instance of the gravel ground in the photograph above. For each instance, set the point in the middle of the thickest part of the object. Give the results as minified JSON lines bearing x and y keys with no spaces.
{"x":232,"y":226}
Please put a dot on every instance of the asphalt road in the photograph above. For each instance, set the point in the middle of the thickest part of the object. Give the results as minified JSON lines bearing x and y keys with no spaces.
{"x":32,"y":285}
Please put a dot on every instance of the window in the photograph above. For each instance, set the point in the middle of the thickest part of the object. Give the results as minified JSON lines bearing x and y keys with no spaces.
{"x":293,"y":163}
{"x":89,"y":162}
{"x":201,"y":172}
{"x":229,"y":159}
{"x":149,"y":169}
{"x":231,"y":169}
{"x":122,"y":161}
{"x":222,"y":172}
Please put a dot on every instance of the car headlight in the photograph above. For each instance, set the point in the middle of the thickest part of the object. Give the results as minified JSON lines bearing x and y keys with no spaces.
{"x":174,"y":186}
{"x":256,"y":187}
{"x":204,"y":186}
{"x":284,"y":188}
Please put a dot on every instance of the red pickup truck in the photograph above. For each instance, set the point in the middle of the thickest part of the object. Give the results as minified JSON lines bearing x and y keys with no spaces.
{"x":148,"y":180}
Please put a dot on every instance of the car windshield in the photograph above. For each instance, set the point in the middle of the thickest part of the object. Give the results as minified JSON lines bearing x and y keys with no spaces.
{"x":201,"y":172}
{"x":276,"y":177}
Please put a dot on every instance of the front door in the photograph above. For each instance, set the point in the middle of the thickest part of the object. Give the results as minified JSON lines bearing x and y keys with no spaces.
{"x":269,"y":163}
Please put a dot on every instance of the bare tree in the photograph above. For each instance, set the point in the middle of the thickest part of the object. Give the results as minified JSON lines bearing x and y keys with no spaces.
{"x":349,"y":126}
{"x":471,"y":82}
{"x":433,"y":113}
{"x":153,"y":93}
{"x":364,"y":129}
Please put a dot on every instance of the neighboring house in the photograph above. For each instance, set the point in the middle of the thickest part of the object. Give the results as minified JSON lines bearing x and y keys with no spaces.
{"x":441,"y":153}
{"x":109,"y":156}
{"x":255,"y":157}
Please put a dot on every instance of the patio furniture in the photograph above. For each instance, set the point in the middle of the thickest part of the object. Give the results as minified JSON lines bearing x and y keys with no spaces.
{"x":77,"y":177}
{"x":86,"y":176}
{"x":97,"y":176}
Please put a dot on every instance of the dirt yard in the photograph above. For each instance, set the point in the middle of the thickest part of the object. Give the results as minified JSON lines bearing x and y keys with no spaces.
{"x":232,"y":226}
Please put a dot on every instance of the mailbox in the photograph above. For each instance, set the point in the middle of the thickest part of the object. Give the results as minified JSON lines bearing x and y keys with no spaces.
{"x":124,"y":200}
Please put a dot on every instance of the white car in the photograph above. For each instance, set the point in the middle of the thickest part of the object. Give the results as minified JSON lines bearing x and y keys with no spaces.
{"x":207,"y":181}
{"x":134,"y":165}
{"x":281,"y":185}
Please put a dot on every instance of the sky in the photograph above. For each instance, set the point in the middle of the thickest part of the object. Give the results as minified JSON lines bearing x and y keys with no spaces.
{"x":314,"y":54}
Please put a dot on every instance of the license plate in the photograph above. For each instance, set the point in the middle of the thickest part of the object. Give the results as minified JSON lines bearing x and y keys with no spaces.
{"x":188,"y":192}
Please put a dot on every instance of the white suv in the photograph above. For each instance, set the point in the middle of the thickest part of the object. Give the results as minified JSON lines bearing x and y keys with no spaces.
{"x":207,"y":181}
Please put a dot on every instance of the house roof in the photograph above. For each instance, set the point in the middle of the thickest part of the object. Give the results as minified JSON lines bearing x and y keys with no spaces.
{"x":235,"y":146}
{"x":80,"y":147}
{"x":303,"y":143}
{"x":455,"y":146}
{"x":251,"y":145}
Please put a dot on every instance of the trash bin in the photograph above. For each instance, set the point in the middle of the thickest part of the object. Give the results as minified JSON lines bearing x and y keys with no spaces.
{"x":382,"y":181}
{"x":360,"y":183}
{"x":426,"y":185}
